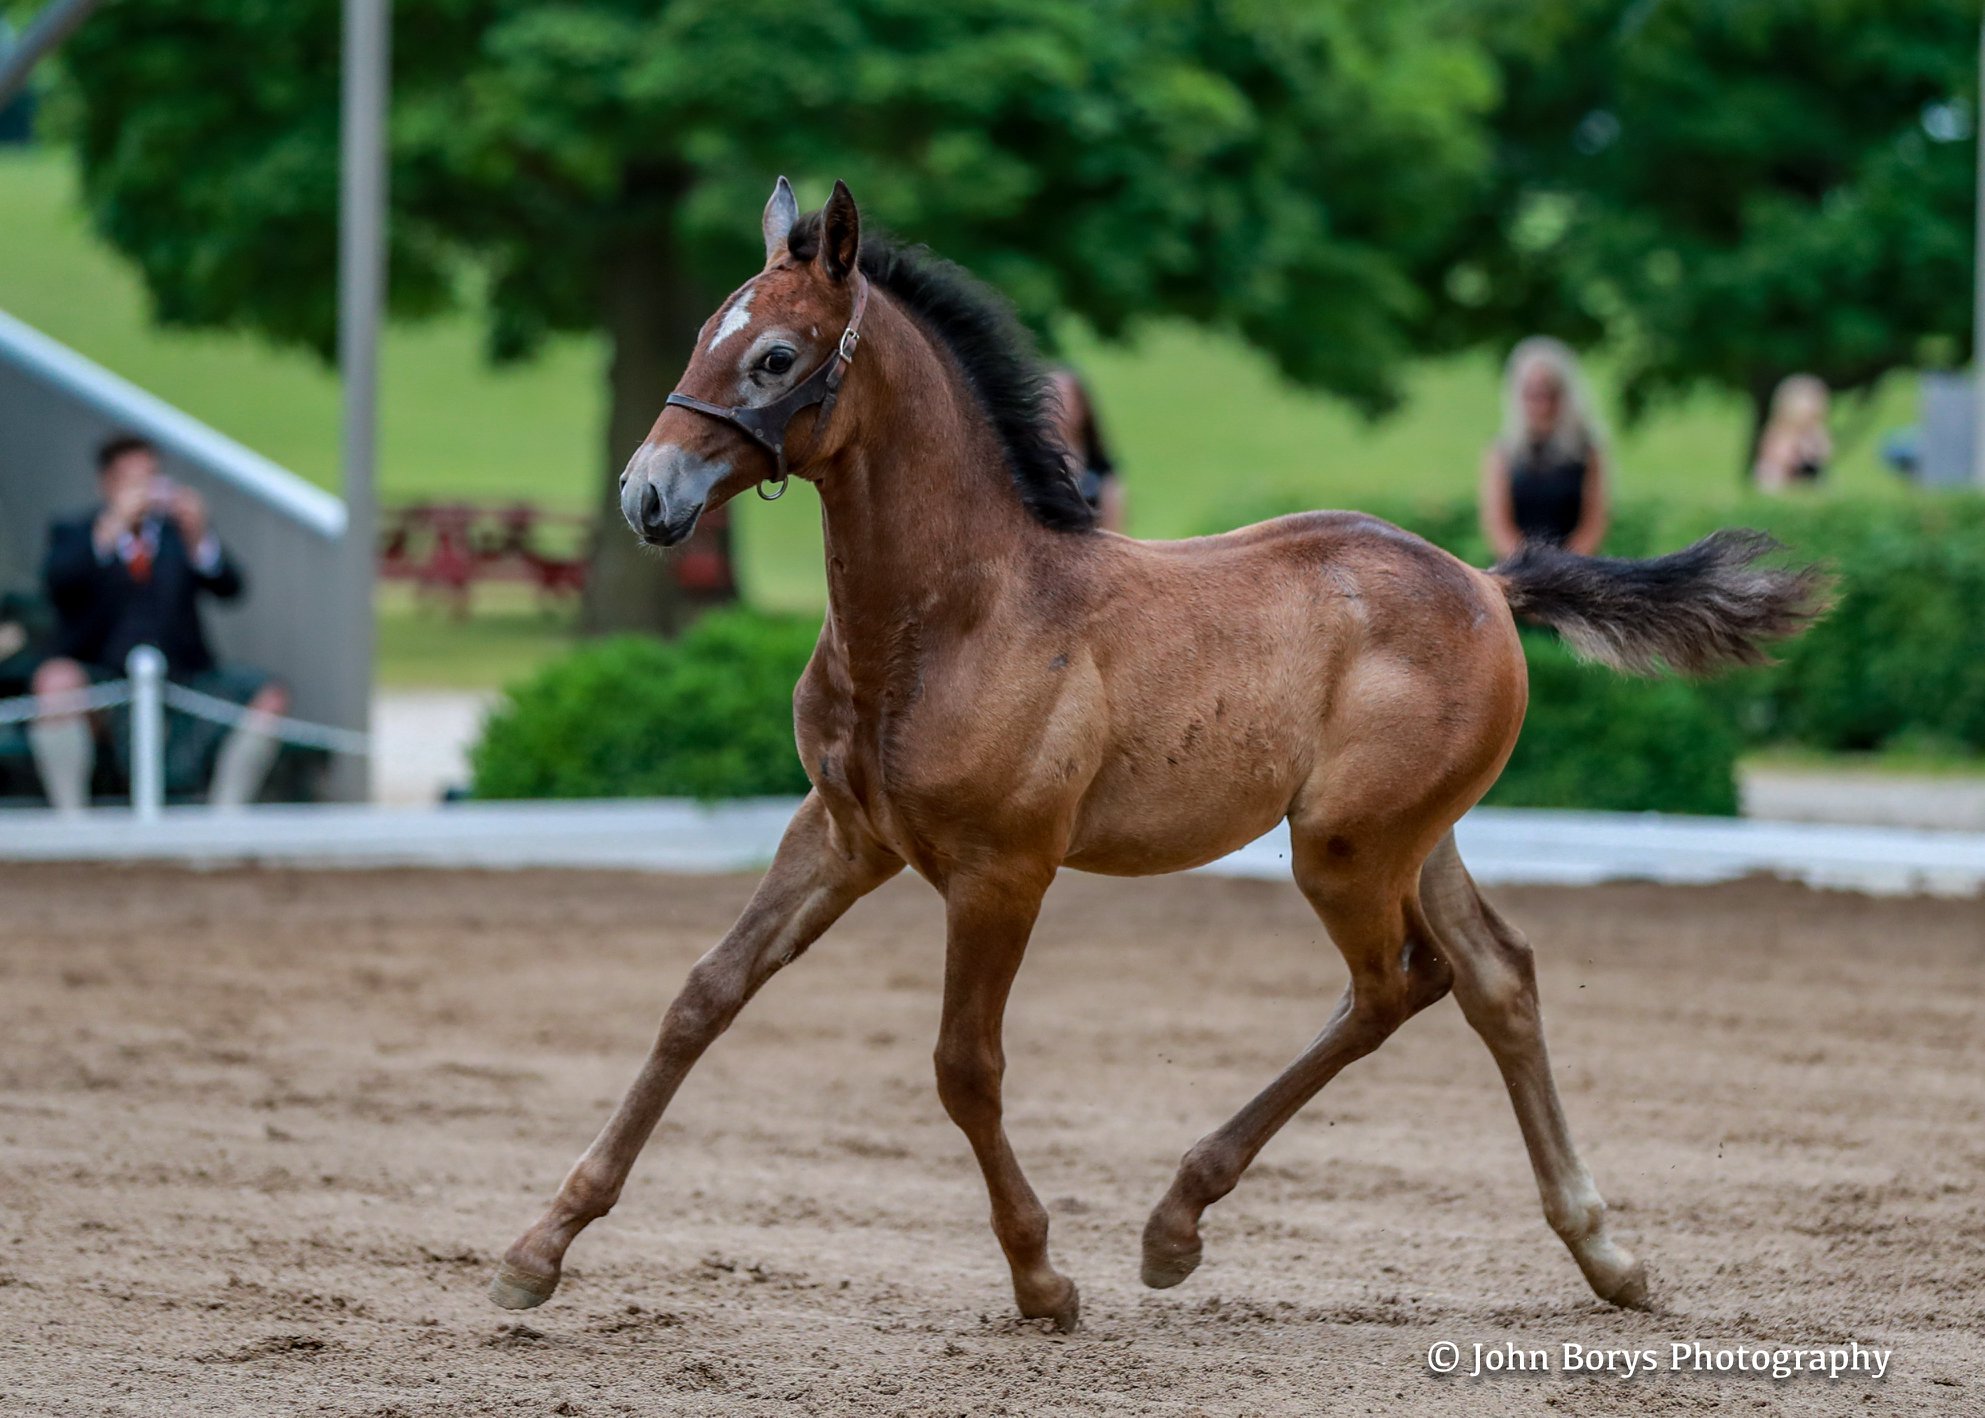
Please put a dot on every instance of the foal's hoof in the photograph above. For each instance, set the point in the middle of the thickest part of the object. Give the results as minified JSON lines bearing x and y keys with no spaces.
{"x":1615,"y":1274}
{"x":1168,"y":1257}
{"x":1062,"y":1304}
{"x":515,"y":1288}
{"x":1629,"y":1291}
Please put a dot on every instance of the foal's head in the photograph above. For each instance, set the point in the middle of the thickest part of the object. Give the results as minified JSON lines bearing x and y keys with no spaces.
{"x":747,"y":381}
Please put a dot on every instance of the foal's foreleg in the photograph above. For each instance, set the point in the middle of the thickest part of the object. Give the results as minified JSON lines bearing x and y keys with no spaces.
{"x":1395,"y":973}
{"x":988,"y":923}
{"x":1496,"y":985}
{"x":814,"y":878}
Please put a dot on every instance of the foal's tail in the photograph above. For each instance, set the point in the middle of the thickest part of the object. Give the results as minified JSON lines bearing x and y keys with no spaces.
{"x":1696,"y":610}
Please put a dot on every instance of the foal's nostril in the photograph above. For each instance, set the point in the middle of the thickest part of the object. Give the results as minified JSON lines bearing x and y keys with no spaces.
{"x":652,"y":520}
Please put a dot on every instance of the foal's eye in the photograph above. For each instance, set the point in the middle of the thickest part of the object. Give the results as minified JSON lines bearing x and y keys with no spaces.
{"x":777,"y":361}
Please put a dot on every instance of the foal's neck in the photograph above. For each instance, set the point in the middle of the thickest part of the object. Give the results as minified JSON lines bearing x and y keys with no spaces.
{"x":923,"y":526}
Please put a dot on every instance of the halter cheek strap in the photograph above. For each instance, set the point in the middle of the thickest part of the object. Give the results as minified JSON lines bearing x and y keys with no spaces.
{"x":766,"y":424}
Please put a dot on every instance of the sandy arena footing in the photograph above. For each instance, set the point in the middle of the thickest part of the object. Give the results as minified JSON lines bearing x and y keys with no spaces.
{"x":264,"y":1133}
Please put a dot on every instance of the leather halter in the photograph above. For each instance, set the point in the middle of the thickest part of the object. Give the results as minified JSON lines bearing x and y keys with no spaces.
{"x":765,"y":424}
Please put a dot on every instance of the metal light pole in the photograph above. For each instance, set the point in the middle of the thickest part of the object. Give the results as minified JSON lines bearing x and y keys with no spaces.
{"x":1978,"y":278}
{"x":361,"y":297}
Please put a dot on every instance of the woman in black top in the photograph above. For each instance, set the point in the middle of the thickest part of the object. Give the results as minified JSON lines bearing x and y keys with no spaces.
{"x":1544,"y":479}
{"x":1088,"y":456}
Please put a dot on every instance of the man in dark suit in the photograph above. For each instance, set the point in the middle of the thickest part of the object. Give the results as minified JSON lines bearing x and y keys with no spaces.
{"x":131,"y":572}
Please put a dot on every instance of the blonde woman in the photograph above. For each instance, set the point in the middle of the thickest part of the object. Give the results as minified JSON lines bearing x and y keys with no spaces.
{"x":1795,"y":446}
{"x":1544,"y":478}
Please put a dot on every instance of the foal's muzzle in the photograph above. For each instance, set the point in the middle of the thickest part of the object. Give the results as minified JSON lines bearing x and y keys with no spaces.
{"x":653,"y":519}
{"x":665,"y":490}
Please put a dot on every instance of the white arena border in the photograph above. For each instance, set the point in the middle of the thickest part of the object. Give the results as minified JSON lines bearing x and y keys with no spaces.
{"x":1501,"y":845}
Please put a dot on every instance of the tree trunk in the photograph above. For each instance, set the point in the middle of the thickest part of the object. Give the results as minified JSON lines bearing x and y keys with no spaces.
{"x":652,"y":313}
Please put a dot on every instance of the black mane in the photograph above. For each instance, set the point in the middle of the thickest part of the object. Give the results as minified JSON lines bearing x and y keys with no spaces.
{"x":996,"y":354}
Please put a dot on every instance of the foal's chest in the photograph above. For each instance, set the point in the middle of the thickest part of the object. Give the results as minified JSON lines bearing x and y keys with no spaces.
{"x":843,"y":742}
{"x":898,"y":765}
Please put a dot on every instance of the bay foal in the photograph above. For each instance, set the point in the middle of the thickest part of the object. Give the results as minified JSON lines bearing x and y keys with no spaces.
{"x":1000,"y":691}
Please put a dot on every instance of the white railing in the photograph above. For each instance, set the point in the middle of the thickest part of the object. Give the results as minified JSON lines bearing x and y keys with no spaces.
{"x":150,"y":694}
{"x":301,"y":619}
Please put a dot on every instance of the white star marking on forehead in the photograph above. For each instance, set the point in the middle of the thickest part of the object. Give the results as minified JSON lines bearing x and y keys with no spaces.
{"x":735,"y":319}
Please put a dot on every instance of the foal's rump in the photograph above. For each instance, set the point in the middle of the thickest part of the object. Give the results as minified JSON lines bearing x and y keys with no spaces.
{"x":1325,"y":666}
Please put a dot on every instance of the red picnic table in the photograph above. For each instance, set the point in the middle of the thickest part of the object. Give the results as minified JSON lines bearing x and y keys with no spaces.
{"x":445,"y":548}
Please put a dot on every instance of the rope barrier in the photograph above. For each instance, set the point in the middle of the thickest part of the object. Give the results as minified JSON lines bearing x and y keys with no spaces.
{"x":296,"y":731}
{"x":73,"y":701}
{"x":187,"y":701}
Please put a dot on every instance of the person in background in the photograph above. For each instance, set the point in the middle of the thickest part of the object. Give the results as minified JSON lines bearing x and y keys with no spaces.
{"x":130,"y":572}
{"x":1544,"y":478}
{"x":1795,"y":446}
{"x":1088,"y":457}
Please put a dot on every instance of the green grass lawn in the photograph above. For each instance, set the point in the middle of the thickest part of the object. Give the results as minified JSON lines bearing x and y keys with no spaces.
{"x":450,"y":425}
{"x":1903,"y":762}
{"x":423,"y":645}
{"x":1201,"y":425}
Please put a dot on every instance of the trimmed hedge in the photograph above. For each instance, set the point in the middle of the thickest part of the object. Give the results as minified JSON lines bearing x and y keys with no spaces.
{"x":1595,"y":739}
{"x":709,"y":715}
{"x":1900,"y":660}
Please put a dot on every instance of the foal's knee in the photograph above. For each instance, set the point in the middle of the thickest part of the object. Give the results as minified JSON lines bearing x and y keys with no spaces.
{"x":709,"y":1000}
{"x":967,"y":1081}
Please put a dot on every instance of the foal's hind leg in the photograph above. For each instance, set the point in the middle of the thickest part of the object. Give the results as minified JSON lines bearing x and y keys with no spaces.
{"x":1395,"y":973}
{"x":1496,"y":984}
{"x":814,"y":878}
{"x":988,"y":921}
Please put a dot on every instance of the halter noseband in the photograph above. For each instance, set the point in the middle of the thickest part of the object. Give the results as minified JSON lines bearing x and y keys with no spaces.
{"x":765,"y":424}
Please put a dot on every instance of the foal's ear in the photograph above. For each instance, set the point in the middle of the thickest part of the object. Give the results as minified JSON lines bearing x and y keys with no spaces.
{"x":781,"y":211}
{"x":840,"y":233}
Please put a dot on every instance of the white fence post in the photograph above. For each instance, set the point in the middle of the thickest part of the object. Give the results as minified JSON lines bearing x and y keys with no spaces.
{"x":146,"y":666}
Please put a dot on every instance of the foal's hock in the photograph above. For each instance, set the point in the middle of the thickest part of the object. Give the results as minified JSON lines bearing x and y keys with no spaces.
{"x":1000,"y":691}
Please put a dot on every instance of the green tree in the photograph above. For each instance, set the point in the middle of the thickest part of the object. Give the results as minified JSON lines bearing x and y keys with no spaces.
{"x":1279,"y":167}
{"x":1725,"y":192}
